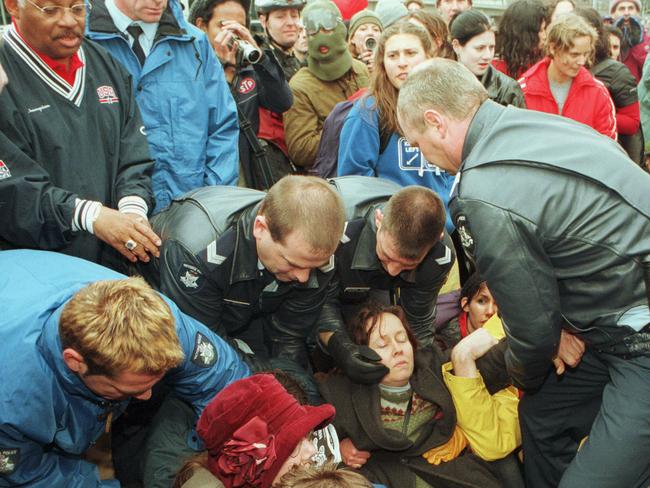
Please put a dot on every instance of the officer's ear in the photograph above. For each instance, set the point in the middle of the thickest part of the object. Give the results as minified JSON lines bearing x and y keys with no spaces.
{"x":260,"y":227}
{"x":74,"y":361}
{"x":379,"y":216}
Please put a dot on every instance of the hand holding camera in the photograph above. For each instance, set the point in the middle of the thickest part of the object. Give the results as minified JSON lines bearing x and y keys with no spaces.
{"x":368,"y":54}
{"x":235,"y":46}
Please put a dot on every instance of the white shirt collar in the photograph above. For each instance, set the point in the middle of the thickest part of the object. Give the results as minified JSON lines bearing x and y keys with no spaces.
{"x":122,"y":21}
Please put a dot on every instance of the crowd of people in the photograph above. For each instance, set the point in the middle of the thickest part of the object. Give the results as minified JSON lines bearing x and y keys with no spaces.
{"x":336,"y":247}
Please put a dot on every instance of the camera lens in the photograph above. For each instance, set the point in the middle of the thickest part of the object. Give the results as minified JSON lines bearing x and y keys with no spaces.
{"x":370,"y":43}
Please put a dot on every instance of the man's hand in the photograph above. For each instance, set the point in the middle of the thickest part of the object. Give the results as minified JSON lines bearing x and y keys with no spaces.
{"x":351,"y":455}
{"x":360,"y":363}
{"x":225,"y":47}
{"x":240,"y":31}
{"x":3,"y":78}
{"x":468,"y":350}
{"x":647,"y":162}
{"x":116,"y":229}
{"x":569,"y":353}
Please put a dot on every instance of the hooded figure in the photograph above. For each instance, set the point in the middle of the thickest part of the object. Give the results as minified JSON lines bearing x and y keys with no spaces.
{"x":331,"y":76}
{"x":328,"y":57}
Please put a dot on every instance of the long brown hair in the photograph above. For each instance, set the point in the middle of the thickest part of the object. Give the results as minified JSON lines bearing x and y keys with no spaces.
{"x":380,"y":86}
{"x":438,"y":30}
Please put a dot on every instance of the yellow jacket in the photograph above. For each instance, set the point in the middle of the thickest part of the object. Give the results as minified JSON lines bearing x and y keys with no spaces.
{"x":490,"y":422}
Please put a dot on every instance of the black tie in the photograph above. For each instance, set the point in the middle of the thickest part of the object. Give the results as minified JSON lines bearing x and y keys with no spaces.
{"x":134,"y":31}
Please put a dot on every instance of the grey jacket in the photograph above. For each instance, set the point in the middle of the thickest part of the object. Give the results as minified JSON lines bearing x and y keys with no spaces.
{"x":558,"y":224}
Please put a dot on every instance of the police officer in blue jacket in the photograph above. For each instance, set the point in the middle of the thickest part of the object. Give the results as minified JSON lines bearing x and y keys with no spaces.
{"x":77,"y":342}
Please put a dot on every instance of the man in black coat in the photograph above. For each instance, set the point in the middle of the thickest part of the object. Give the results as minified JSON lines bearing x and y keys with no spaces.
{"x":557,"y":219}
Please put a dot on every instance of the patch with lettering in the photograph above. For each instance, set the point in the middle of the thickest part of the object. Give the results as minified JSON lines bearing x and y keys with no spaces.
{"x":9,"y":458}
{"x":410,"y":158}
{"x":246,"y":85}
{"x":204,"y":354}
{"x":106,"y":95}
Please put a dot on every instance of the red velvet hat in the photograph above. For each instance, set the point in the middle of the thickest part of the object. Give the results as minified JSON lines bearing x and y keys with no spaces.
{"x":252,"y":426}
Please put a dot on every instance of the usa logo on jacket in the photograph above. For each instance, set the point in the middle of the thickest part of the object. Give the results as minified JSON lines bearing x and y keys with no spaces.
{"x":106,"y":94}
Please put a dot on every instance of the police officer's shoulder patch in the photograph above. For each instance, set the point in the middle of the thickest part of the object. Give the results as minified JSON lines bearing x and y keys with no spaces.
{"x":191,"y":277}
{"x":331,"y":264}
{"x":466,"y":239}
{"x":9,"y":458}
{"x":204,"y":354}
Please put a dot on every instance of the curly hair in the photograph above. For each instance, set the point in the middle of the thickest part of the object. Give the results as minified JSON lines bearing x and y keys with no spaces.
{"x":518,"y":43}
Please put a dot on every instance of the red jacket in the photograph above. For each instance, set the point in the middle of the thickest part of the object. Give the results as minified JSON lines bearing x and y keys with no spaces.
{"x":588,"y":100}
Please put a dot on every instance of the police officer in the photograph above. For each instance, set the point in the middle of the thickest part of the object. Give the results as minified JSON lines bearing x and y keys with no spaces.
{"x":255,"y":267}
{"x":557,"y":220}
{"x":281,"y":22}
{"x":78,"y":342}
{"x":394,"y":242}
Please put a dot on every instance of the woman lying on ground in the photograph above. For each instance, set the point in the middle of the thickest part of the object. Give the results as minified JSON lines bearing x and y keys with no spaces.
{"x":404,"y":431}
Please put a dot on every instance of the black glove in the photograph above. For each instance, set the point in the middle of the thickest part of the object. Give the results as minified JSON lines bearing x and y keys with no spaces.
{"x":360,"y":363}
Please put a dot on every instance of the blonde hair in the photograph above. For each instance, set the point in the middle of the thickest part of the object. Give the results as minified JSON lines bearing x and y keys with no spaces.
{"x":307,"y":205}
{"x":121,"y":326}
{"x":326,"y":477}
{"x":566,"y":29}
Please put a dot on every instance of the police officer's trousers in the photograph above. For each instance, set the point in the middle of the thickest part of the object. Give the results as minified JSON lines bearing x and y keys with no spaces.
{"x":606,"y":398}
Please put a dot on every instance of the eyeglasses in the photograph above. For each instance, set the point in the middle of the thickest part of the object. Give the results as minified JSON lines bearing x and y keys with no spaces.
{"x":56,"y":12}
{"x":321,"y":20}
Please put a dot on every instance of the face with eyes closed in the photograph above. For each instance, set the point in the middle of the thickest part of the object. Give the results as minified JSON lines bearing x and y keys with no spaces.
{"x":389,"y":339}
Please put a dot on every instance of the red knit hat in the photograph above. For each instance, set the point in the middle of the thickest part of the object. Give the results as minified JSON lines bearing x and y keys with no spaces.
{"x":252,"y":426}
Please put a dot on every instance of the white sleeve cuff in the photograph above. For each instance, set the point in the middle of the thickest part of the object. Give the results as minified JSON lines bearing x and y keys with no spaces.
{"x":85,"y":214}
{"x":133,"y":205}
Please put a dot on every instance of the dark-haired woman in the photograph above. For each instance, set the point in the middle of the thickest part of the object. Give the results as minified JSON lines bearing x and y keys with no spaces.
{"x":371,"y":143}
{"x":621,"y":85}
{"x":407,"y":424}
{"x":520,"y":43}
{"x":472,"y":40}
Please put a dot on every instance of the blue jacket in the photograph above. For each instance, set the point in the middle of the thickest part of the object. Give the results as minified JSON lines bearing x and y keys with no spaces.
{"x":48,"y":417}
{"x":189,"y":114}
{"x":401,"y":163}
